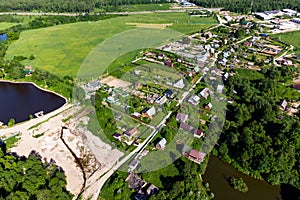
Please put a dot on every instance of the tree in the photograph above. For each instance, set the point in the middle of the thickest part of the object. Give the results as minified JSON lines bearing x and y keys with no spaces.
{"x":30,"y":178}
{"x":11,"y":122}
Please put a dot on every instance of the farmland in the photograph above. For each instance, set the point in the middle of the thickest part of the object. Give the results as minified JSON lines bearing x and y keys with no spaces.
{"x":62,"y":49}
{"x":290,"y":37}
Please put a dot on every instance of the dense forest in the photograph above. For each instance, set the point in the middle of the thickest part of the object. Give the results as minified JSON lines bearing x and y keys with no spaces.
{"x":67,"y":6}
{"x":259,"y":138}
{"x":30,"y":178}
{"x":244,"y":6}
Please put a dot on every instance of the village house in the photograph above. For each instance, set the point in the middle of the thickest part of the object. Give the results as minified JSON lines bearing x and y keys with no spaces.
{"x":283,"y":105}
{"x":135,"y":182}
{"x":205,"y":93}
{"x":161,"y":56}
{"x":152,"y":190}
{"x":137,"y":85}
{"x":151,"y":98}
{"x":179,"y":84}
{"x":220,"y":88}
{"x":194,"y":100}
{"x":161,"y":145}
{"x":118,"y":116}
{"x":149,"y":112}
{"x":208,"y":106}
{"x":137,"y":72}
{"x":198,"y":133}
{"x":117,"y":136}
{"x":28,"y":70}
{"x":185,"y":127}
{"x":181,"y":117}
{"x":271,"y":49}
{"x":297,"y":87}
{"x":136,"y":115}
{"x":248,"y":44}
{"x":169,"y":93}
{"x":195,"y":156}
{"x":131,"y":132}
{"x":133,"y":165}
{"x":208,"y":35}
{"x":161,"y":100}
{"x":169,"y":63}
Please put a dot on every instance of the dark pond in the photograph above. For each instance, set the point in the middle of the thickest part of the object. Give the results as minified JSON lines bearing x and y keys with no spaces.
{"x":218,"y":172}
{"x":18,"y":101}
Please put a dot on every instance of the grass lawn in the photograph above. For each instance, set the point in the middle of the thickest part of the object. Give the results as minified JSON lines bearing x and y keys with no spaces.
{"x":11,"y":142}
{"x":290,"y":38}
{"x":62,"y":49}
{"x":6,"y":25}
{"x":249,"y":74}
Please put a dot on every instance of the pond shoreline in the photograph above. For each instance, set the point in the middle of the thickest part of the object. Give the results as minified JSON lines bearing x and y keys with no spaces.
{"x":34,"y":95}
{"x":218,"y":172}
{"x":37,"y":86}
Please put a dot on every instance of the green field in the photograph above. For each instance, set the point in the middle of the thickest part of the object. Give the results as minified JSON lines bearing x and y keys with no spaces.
{"x":6,"y":25}
{"x":292,"y":38}
{"x":62,"y":49}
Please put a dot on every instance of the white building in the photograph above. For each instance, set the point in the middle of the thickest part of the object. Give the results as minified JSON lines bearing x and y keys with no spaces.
{"x":194,"y":100}
{"x":161,"y":144}
{"x":205,"y":93}
{"x":179,"y":84}
{"x":263,"y":16}
{"x":296,"y":20}
{"x":220,"y":88}
{"x":228,"y":18}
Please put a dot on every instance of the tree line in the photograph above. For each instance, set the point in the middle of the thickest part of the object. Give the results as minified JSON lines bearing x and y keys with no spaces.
{"x":259,"y":138}
{"x":30,"y":178}
{"x":244,"y":6}
{"x":68,"y":6}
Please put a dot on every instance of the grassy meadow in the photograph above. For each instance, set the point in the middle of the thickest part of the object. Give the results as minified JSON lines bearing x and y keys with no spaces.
{"x":292,"y":38}
{"x":62,"y":49}
{"x":6,"y":25}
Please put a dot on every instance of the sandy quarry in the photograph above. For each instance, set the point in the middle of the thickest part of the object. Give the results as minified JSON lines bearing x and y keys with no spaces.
{"x":97,"y":157}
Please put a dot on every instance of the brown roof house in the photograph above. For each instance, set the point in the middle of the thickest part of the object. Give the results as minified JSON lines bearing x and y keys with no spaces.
{"x":198,"y":133}
{"x":135,"y":182}
{"x":181,"y":117}
{"x":185,"y":127}
{"x":196,"y":156}
{"x":131,"y":132}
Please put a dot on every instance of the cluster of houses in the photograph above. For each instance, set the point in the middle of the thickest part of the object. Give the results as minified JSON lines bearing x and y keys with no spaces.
{"x":256,"y":44}
{"x":178,"y":63}
{"x":194,"y":54}
{"x":184,"y":126}
{"x":91,"y":87}
{"x":128,"y":136}
{"x":141,"y":187}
